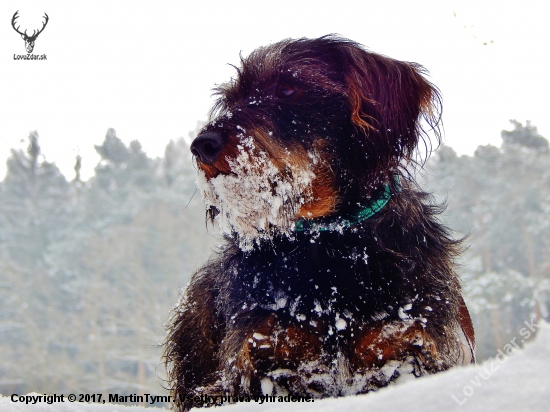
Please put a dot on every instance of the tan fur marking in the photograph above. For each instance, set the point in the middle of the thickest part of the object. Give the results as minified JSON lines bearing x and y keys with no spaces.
{"x":376,"y":346}
{"x":357,"y":99}
{"x":284,"y":347}
{"x":324,"y":192}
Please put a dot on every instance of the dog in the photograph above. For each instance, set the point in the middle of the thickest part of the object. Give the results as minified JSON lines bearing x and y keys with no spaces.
{"x":336,"y":276}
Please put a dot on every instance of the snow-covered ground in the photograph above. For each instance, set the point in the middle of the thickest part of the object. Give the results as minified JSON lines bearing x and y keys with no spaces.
{"x":519,"y":381}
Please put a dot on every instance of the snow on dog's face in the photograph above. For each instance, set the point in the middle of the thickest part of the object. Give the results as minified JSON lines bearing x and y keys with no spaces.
{"x":258,"y":196}
{"x":308,"y":128}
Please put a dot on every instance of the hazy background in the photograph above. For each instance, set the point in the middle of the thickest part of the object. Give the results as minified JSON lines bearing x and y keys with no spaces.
{"x":93,"y":251}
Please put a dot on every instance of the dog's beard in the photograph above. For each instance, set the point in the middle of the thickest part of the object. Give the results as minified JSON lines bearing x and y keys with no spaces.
{"x":256,"y":201}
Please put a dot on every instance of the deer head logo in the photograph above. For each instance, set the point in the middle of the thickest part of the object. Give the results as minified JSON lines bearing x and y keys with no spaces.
{"x":29,"y":40}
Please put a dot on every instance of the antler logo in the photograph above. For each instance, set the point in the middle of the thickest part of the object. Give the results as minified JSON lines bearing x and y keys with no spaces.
{"x":29,"y":40}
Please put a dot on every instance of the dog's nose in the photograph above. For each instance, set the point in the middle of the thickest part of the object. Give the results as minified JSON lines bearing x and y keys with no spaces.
{"x":207,"y":147}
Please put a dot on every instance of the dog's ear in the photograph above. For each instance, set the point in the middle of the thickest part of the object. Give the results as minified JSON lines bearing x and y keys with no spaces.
{"x":388,"y":99}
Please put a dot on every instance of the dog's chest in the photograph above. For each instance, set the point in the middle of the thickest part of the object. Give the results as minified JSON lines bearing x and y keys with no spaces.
{"x":340,"y":284}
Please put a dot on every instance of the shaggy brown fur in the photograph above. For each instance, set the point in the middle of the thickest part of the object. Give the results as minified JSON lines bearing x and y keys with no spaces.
{"x":309,"y":296}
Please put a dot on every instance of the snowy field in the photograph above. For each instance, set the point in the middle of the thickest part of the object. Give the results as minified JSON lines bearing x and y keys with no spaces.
{"x":519,"y":381}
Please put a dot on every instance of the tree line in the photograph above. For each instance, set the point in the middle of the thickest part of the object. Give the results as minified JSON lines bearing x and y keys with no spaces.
{"x":89,"y":270}
{"x":499,"y":198}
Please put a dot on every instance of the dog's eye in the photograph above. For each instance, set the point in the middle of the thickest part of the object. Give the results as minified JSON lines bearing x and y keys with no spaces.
{"x":285,"y":90}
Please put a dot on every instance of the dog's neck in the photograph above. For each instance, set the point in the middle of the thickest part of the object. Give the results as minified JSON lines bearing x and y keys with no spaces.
{"x":338,"y":223}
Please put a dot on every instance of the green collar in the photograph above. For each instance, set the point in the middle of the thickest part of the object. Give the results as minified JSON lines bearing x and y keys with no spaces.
{"x":326,"y":225}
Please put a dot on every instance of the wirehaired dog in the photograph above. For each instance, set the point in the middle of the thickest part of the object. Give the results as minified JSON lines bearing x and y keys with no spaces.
{"x":336,"y":277}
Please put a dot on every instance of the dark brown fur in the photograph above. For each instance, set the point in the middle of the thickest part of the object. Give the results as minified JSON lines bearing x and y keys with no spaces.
{"x":321,"y":313}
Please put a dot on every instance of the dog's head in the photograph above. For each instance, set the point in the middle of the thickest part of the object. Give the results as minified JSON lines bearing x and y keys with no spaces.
{"x":309,"y":128}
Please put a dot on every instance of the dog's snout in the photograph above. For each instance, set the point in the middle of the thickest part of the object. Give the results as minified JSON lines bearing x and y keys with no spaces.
{"x":207,"y":147}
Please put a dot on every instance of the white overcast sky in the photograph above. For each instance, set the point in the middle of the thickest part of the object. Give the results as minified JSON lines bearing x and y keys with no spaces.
{"x":146,"y":68}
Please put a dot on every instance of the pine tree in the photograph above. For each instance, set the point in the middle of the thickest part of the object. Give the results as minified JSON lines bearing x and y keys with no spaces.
{"x":35,"y":212}
{"x":526,"y":136}
{"x":35,"y":193}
